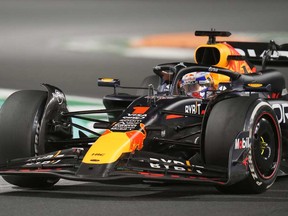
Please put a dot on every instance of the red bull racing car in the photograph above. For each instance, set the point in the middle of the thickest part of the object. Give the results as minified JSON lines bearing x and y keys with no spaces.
{"x":219,"y":121}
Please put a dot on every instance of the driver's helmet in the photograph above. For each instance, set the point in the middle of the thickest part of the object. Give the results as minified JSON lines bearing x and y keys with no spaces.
{"x":197,"y":84}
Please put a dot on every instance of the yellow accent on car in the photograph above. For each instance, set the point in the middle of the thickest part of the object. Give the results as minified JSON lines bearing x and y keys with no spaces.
{"x":217,"y":55}
{"x":255,"y":85}
{"x":108,"y":148}
{"x":212,"y":54}
{"x":263,"y":145}
{"x":107,"y":80}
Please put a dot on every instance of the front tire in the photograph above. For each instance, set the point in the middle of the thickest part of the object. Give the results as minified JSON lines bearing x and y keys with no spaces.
{"x":20,"y":120}
{"x":264,"y":155}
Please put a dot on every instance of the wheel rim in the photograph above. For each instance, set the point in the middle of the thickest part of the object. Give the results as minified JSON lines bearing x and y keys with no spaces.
{"x":266,"y":147}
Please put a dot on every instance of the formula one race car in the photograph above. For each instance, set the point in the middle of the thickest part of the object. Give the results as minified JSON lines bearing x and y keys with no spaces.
{"x":218,"y":121}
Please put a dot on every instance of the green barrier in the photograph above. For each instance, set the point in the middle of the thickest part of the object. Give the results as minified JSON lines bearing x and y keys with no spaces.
{"x":81,"y":103}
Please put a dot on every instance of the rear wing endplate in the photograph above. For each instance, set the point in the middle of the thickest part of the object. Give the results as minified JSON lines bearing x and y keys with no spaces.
{"x":261,"y":53}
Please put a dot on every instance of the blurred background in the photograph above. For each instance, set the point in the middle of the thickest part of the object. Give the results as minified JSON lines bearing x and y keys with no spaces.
{"x":70,"y":43}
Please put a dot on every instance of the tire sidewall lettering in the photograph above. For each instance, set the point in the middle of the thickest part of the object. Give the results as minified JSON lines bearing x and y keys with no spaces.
{"x":260,"y":110}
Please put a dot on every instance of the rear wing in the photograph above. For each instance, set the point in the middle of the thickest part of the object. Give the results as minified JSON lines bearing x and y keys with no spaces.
{"x":261,"y":53}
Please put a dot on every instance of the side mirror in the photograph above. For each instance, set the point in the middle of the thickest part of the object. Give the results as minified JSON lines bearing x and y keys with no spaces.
{"x":108,"y":82}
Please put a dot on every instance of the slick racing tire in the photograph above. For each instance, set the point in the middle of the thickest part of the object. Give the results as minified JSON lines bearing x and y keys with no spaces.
{"x":230,"y":117}
{"x":20,"y":120}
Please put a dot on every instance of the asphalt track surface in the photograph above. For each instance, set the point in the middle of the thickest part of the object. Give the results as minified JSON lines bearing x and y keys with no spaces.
{"x":39,"y":42}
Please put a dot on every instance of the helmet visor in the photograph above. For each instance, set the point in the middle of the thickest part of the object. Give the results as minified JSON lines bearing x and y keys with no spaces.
{"x":192,"y":87}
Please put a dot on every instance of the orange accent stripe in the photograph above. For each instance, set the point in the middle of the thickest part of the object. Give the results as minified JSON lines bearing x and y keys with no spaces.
{"x":140,"y":110}
{"x":151,"y":174}
{"x":173,"y":116}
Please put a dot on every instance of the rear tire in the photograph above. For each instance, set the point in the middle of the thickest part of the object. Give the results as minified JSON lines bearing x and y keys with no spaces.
{"x":233,"y":116}
{"x":20,"y":120}
{"x":153,"y":79}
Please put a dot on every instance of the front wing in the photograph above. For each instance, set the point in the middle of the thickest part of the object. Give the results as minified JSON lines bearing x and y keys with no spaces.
{"x":133,"y":167}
